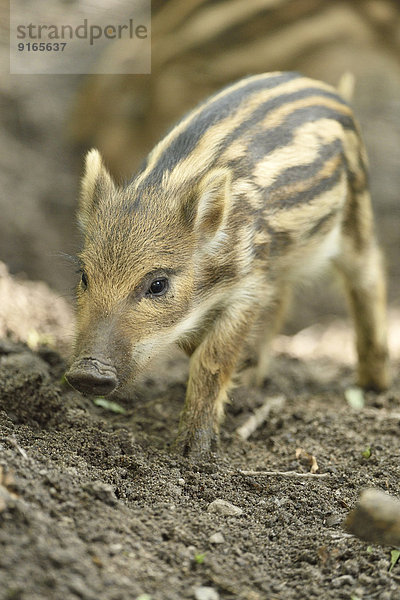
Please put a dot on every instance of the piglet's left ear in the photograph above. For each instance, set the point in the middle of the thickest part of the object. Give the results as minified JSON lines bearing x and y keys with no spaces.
{"x":96,"y":184}
{"x":214,"y":199}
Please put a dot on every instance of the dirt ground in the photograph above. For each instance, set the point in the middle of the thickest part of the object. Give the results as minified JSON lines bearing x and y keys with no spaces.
{"x":94,"y":505}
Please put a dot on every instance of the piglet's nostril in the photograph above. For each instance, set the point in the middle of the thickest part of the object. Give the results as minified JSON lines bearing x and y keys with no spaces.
{"x":86,"y":378}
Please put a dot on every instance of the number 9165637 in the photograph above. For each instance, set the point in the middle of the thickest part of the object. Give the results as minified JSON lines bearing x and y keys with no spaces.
{"x":41,"y":46}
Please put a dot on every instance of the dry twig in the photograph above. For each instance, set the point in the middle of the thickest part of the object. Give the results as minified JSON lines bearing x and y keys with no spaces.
{"x":259,"y":417}
{"x":13,"y":442}
{"x":293,"y":474}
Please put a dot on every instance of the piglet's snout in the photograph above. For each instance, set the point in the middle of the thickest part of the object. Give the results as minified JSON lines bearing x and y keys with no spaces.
{"x":91,"y":376}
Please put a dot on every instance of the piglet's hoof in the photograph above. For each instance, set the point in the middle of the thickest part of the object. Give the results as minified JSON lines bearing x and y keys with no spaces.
{"x":197,"y":445}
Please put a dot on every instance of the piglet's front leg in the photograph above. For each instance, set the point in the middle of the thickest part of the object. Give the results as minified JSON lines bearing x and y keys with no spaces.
{"x":212,"y":366}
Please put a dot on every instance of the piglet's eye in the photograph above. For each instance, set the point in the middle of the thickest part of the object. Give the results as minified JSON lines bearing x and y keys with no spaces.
{"x":158,"y":287}
{"x":84,"y":280}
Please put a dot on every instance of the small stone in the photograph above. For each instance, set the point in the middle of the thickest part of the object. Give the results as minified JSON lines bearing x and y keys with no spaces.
{"x":206,"y":593}
{"x":174,"y":490}
{"x":216,"y":538}
{"x":102,"y":491}
{"x":343,"y":580}
{"x":333,"y":520}
{"x":181,"y":481}
{"x":223,"y":507}
{"x":365,"y":579}
{"x":115,"y":549}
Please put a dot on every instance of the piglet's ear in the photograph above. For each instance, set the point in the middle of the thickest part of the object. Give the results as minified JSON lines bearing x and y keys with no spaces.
{"x":214,"y":199}
{"x":96,"y":184}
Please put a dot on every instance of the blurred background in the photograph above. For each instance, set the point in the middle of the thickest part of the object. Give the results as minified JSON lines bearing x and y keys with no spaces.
{"x":198,"y":46}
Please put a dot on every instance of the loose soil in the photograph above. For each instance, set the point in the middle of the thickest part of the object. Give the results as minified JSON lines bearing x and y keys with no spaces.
{"x":94,"y":505}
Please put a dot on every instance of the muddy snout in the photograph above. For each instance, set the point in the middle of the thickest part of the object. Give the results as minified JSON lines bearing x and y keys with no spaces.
{"x":91,"y":376}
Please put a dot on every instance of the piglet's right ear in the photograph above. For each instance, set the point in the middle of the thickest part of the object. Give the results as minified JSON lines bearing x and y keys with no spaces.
{"x":96,"y":184}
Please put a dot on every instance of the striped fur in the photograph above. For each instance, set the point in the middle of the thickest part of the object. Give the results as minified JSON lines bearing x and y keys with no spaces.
{"x":260,"y":112}
{"x":260,"y":186}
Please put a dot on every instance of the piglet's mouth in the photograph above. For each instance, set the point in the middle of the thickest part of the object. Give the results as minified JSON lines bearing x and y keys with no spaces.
{"x":92,"y":376}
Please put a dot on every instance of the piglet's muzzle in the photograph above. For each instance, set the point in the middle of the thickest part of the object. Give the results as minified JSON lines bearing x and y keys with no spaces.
{"x":91,"y":376}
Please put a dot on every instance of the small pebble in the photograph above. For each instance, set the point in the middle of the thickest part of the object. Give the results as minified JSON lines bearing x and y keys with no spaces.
{"x":206,"y":593}
{"x":115,"y":549}
{"x":102,"y":491}
{"x":181,"y":481}
{"x":174,"y":490}
{"x":343,"y":580}
{"x":216,"y":538}
{"x":223,"y":507}
{"x":333,"y":520}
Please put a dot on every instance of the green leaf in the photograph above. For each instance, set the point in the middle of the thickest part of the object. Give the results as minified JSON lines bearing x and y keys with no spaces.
{"x":109,"y":405}
{"x":199,"y":558}
{"x":394,"y":557}
{"x":367,"y":452}
{"x":355,"y":398}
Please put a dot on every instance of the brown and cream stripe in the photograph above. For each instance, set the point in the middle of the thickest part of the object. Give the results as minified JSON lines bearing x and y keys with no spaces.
{"x":281,"y":132}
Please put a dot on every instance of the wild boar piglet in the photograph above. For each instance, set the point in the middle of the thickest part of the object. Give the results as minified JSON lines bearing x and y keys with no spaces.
{"x":258,"y":188}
